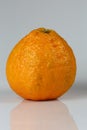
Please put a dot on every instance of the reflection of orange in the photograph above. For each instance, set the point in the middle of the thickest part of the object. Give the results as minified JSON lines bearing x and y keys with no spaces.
{"x":41,"y":66}
{"x":47,"y":115}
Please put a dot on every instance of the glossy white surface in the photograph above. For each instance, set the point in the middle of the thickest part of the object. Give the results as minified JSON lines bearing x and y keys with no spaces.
{"x":69,"y":112}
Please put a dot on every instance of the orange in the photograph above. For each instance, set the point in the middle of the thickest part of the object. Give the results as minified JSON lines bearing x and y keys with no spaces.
{"x":41,"y":66}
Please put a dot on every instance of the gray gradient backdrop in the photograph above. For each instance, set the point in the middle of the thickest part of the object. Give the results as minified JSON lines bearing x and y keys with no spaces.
{"x":67,"y":17}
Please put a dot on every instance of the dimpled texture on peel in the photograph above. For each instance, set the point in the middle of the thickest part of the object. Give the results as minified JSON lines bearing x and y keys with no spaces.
{"x":41,"y":66}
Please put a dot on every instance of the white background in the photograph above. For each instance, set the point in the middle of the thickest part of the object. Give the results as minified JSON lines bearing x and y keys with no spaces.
{"x":69,"y":19}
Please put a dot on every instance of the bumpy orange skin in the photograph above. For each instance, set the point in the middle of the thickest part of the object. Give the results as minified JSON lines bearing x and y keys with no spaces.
{"x":41,"y":66}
